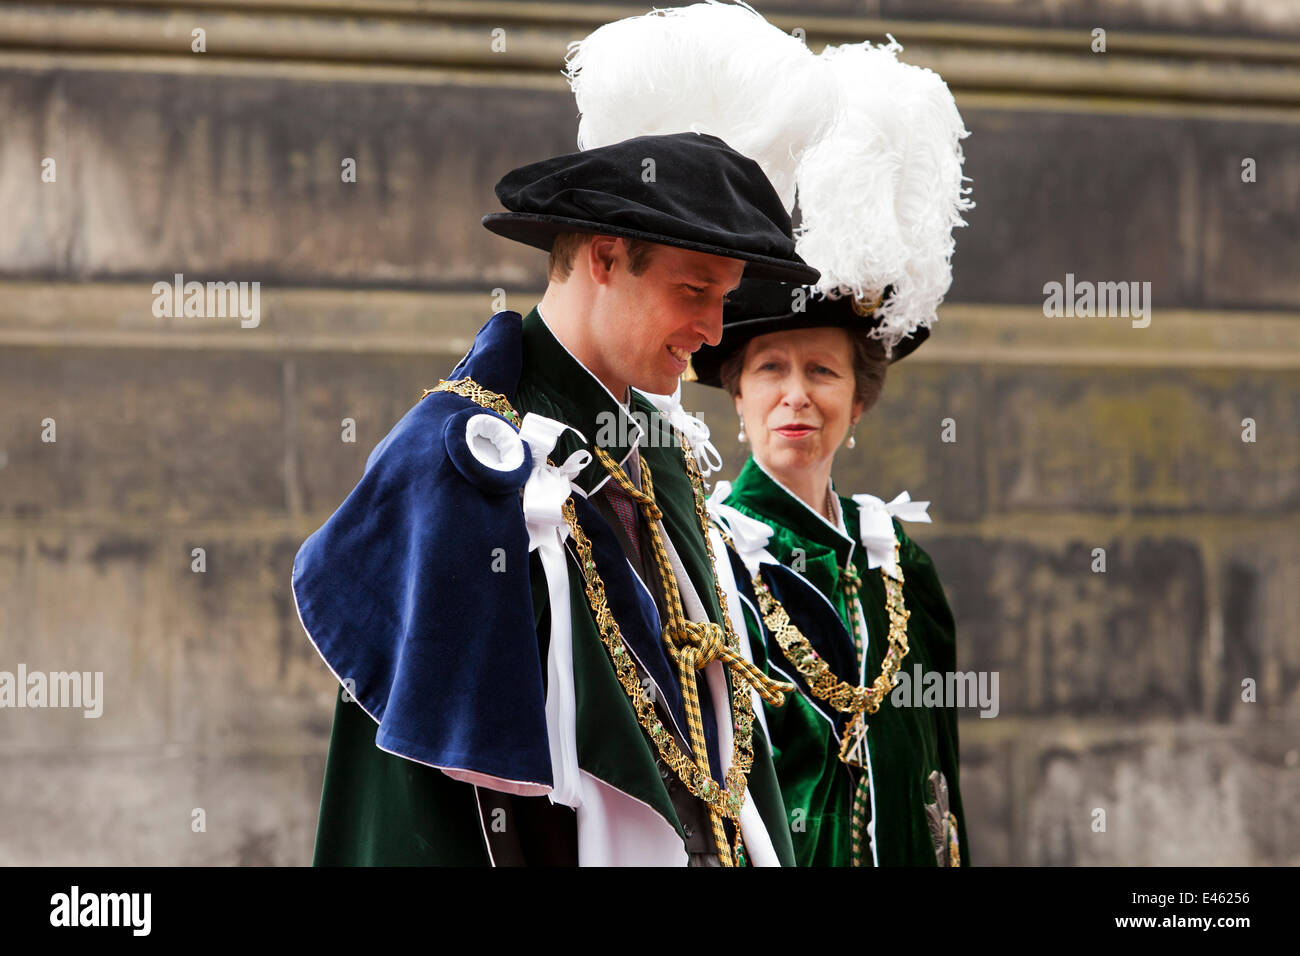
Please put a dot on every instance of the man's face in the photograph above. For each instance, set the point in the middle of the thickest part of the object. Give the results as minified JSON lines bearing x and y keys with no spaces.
{"x":655,"y":320}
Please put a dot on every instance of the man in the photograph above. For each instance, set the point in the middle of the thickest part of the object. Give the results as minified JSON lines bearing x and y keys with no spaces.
{"x":531,"y":617}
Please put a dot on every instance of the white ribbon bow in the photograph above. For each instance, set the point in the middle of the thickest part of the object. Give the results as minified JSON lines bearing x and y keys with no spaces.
{"x":749,"y":535}
{"x":876,"y":530}
{"x":696,"y":432}
{"x":548,"y":486}
{"x":545,"y":492}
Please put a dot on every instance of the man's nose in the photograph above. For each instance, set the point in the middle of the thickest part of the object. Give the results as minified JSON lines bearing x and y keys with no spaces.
{"x":710,"y":328}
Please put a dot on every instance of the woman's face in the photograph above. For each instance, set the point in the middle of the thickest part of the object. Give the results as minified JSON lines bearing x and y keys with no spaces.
{"x":797,"y":398}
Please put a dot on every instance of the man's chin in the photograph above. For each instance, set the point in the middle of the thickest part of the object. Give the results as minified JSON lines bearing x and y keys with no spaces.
{"x":658,"y":384}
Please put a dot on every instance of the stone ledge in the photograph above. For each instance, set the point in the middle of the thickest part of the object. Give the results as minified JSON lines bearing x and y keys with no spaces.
{"x":984,"y":57}
{"x":352,"y":320}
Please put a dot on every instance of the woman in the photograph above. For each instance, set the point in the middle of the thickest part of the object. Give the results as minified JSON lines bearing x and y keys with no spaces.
{"x":845,"y":598}
{"x":844,"y":603}
{"x":877,"y":169}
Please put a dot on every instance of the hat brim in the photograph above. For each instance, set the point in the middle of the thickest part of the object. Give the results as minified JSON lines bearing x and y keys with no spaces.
{"x":707,"y":362}
{"x":539,"y":231}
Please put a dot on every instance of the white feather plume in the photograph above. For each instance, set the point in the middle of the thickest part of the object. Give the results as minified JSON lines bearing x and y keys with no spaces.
{"x":715,"y":68}
{"x":881,"y":193}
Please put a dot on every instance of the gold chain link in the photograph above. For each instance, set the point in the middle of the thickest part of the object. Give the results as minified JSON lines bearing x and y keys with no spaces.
{"x":468,"y":388}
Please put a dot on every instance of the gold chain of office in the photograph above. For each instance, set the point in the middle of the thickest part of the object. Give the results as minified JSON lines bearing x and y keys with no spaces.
{"x":722,"y":643}
{"x":845,"y":697}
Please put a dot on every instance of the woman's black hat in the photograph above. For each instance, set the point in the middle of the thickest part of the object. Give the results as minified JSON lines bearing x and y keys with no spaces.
{"x":690,"y":190}
{"x":758,"y":307}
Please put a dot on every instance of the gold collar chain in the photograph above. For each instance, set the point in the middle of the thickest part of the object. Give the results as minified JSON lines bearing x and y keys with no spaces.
{"x":692,"y":645}
{"x":847,"y":698}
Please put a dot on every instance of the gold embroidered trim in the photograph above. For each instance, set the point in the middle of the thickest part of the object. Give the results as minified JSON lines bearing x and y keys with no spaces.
{"x":468,"y":388}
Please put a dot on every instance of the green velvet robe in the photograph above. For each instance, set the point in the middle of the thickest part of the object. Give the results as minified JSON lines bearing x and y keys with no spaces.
{"x":381,"y":809}
{"x":905,"y":743}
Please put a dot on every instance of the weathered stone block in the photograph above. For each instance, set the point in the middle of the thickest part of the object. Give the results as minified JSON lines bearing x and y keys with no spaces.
{"x":1069,"y":641}
{"x":160,"y":435}
{"x":1157,"y":441}
{"x":89,"y":602}
{"x":137,"y":809}
{"x":1185,"y":800}
{"x":243,"y":673}
{"x":1093,"y":195}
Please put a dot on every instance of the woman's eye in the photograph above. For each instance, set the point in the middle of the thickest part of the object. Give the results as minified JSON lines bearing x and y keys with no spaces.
{"x":823,"y":370}
{"x":694,"y":290}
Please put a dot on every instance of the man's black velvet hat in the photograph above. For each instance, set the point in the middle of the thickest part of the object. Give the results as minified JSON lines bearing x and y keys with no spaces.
{"x":698,"y":193}
{"x":759,"y":306}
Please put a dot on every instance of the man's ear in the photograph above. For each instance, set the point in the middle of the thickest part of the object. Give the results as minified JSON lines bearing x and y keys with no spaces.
{"x":603,"y":252}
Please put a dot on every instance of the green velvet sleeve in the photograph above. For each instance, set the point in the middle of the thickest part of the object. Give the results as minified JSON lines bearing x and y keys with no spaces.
{"x":378,"y":809}
{"x":931,"y":605}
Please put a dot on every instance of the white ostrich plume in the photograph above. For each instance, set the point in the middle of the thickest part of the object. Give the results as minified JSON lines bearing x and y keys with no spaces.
{"x":881,"y":193}
{"x":715,"y":68}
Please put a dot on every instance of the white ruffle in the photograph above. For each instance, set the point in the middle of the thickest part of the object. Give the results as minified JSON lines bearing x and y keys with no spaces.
{"x":695,"y":431}
{"x":749,"y":535}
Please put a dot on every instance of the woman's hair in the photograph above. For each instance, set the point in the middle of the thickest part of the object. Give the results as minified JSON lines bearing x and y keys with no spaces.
{"x":869,"y":367}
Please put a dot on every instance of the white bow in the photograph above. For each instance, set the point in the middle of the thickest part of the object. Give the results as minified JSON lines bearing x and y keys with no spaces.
{"x":749,"y":535}
{"x":876,"y":530}
{"x":547,"y":489}
{"x":696,"y":432}
{"x":548,"y":486}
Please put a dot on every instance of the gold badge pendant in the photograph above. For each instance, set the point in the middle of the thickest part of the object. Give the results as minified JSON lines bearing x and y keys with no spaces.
{"x":943,"y":824}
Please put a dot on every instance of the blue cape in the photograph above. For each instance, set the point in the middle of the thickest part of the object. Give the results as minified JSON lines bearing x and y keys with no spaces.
{"x":399,"y":588}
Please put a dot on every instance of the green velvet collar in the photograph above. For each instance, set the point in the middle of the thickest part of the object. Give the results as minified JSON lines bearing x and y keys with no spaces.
{"x":558,"y":386}
{"x":758,"y":491}
{"x":801,"y":538}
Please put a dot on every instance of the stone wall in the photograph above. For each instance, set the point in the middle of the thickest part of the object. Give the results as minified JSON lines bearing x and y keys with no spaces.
{"x":1119,"y":691}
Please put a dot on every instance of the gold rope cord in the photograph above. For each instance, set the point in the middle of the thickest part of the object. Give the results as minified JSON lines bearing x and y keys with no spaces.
{"x":691,"y":644}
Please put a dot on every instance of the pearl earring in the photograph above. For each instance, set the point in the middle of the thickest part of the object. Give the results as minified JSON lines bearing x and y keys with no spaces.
{"x":741,"y":437}
{"x":852,"y":442}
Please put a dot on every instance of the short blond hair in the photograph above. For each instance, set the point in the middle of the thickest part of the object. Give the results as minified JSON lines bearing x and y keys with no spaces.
{"x":567,"y":244}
